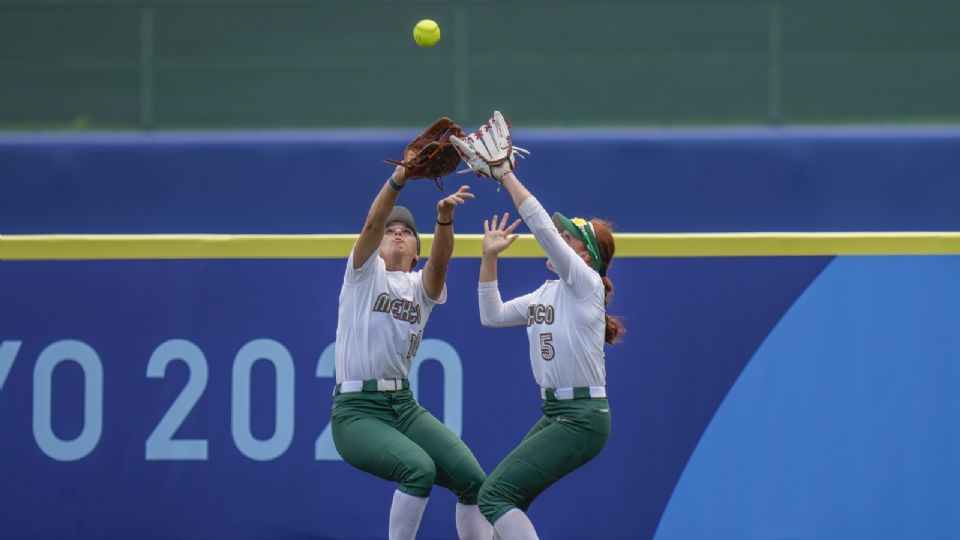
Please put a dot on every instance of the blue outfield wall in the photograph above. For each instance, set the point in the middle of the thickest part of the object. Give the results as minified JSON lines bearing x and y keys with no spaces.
{"x":709,"y":180}
{"x":753,"y":397}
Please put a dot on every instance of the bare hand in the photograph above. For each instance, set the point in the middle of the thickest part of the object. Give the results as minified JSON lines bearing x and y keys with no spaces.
{"x":446,"y":205}
{"x":497,"y":235}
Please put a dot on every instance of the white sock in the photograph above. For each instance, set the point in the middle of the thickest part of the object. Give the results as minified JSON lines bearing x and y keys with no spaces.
{"x":471,"y":525}
{"x":515,"y":525}
{"x":405,"y":514}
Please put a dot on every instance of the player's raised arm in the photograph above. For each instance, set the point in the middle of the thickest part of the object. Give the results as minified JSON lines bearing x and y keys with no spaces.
{"x":429,"y":155}
{"x":435,"y":271}
{"x":490,"y":152}
{"x":370,"y":237}
{"x":497,"y":237}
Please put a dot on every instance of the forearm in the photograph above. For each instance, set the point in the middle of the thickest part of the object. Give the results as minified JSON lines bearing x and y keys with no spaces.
{"x":442,"y":248}
{"x":385,"y":200}
{"x":494,"y":313}
{"x":435,"y":271}
{"x":488,"y":268}
{"x":372,"y":233}
{"x":541,"y":225}
{"x":518,"y":192}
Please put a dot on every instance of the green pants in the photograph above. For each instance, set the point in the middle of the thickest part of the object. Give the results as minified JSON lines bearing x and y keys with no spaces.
{"x":388,"y":434}
{"x":570,"y":434}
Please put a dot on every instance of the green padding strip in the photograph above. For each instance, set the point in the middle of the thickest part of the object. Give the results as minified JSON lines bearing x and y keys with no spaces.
{"x":337,"y":246}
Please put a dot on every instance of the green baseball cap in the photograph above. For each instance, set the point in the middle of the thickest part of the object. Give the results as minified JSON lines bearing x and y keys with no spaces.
{"x":583,"y":230}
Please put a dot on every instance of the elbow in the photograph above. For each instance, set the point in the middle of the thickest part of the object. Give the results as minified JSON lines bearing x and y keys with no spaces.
{"x":492,"y":322}
{"x":488,"y":320}
{"x":370,"y":228}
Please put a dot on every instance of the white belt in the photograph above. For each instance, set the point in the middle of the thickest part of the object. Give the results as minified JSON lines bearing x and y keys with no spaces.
{"x":595,"y":392}
{"x":383,"y":385}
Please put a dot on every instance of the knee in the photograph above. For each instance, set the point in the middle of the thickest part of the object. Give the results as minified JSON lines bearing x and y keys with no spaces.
{"x":418,"y":476}
{"x":470,"y":483}
{"x":491,"y":501}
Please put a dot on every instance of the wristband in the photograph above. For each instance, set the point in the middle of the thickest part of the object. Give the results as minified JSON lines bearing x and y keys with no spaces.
{"x":444,"y":223}
{"x":394,"y":185}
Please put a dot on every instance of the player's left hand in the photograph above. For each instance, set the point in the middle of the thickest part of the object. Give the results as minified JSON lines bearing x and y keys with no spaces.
{"x":446,"y":205}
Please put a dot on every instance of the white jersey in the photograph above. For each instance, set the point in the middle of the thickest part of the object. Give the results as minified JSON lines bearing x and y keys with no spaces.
{"x":564,"y":318}
{"x":381,"y":320}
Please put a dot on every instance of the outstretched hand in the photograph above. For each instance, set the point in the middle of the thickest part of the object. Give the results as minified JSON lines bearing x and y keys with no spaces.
{"x":497,"y":235}
{"x":446,"y":205}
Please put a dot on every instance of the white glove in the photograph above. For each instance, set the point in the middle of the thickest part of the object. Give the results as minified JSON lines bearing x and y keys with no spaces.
{"x":488,"y":147}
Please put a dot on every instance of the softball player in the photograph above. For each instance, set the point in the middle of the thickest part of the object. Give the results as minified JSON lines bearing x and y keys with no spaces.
{"x":567,"y":325}
{"x":384,"y":305}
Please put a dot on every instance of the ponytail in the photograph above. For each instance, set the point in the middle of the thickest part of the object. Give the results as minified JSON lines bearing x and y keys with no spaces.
{"x":602,"y":230}
{"x":614,"y":326}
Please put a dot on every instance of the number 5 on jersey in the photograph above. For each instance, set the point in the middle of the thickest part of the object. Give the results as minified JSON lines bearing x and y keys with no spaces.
{"x":546,"y":346}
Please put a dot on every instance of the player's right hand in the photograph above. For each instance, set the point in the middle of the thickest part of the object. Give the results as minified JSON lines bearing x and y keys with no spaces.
{"x":497,"y":235}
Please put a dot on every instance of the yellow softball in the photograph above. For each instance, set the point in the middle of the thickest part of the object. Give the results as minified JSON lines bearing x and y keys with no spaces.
{"x":426,"y":33}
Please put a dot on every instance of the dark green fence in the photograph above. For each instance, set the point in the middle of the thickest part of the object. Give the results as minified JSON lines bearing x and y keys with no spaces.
{"x":325,"y":63}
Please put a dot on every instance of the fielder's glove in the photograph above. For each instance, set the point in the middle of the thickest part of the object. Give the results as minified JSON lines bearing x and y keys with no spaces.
{"x":490,"y":146}
{"x":430,"y":154}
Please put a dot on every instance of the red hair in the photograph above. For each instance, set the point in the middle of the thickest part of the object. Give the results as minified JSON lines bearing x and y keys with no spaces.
{"x":604,"y":233}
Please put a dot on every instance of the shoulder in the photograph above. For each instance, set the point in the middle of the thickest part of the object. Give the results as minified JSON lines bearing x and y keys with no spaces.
{"x":371,"y":267}
{"x":548,"y":285}
{"x":583,"y":282}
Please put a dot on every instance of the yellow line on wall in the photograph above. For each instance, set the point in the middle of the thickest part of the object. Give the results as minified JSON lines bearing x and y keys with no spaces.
{"x":325,"y":246}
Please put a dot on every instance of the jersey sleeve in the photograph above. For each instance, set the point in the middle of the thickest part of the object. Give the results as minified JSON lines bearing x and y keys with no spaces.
{"x":422,"y":292}
{"x":494,"y":313}
{"x":355,"y":275}
{"x":574,"y":273}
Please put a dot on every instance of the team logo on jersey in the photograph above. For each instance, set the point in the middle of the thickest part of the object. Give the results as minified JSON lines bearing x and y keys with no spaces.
{"x":400,"y":308}
{"x":539,"y":314}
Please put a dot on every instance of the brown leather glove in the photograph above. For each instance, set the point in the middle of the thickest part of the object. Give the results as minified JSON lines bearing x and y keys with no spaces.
{"x":431,"y":154}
